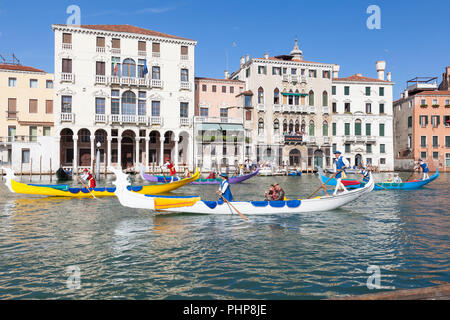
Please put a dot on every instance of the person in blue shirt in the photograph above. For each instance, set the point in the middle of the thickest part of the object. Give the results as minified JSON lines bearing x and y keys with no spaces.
{"x":224,"y":189}
{"x":422,"y":164}
{"x":364,"y":172}
{"x":339,"y":163}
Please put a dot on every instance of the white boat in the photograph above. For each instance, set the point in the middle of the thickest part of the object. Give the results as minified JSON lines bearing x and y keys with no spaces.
{"x":194,"y":204}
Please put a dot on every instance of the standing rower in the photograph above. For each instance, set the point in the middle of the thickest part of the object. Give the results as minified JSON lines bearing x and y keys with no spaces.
{"x":87,"y":176}
{"x":365,"y":173}
{"x":169,"y":165}
{"x":340,"y":163}
{"x":422,"y":164}
{"x":224,"y":189}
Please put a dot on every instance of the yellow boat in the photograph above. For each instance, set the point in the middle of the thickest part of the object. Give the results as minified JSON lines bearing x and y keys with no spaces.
{"x":66,"y":191}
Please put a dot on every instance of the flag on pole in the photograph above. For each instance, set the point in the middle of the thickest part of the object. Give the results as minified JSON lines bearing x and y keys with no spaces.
{"x":145,"y":71}
{"x":115,"y":66}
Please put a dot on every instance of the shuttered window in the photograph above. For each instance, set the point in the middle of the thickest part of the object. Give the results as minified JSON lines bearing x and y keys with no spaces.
{"x":142,"y":46}
{"x":12,"y":105}
{"x":155,"y":47}
{"x":347,"y":129}
{"x":381,"y":130}
{"x":67,"y":65}
{"x":100,"y":42}
{"x":357,"y":128}
{"x":49,"y":106}
{"x":116,"y":43}
{"x":100,"y":68}
{"x":184,"y":50}
{"x":67,"y":38}
{"x":33,"y":106}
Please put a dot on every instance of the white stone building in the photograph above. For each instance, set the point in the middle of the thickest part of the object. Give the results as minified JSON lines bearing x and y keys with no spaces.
{"x":103,"y":94}
{"x":287,"y":101}
{"x":362,"y":126}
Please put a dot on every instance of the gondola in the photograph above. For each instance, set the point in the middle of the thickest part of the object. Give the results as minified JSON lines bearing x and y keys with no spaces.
{"x":63,"y":175}
{"x":64,"y":190}
{"x":231,"y":180}
{"x":194,"y":204}
{"x":408,"y":185}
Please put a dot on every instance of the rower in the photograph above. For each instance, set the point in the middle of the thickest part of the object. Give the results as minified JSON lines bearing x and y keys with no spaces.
{"x":169,"y":165}
{"x":339,"y":163}
{"x":397,"y":178}
{"x":365,"y":173}
{"x":87,"y":176}
{"x":224,"y":189}
{"x":422,"y":164}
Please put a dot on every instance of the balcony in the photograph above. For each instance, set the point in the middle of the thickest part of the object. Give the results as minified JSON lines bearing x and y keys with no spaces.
{"x":349,"y":138}
{"x":100,"y":79}
{"x":276,"y":108}
{"x":115,"y":50}
{"x":294,"y":78}
{"x":67,"y":46}
{"x":293,"y":139}
{"x":66,"y":117}
{"x":298,"y":109}
{"x":261,"y":107}
{"x":184,"y":57}
{"x":156,"y":121}
{"x":326,"y":140}
{"x":156,"y":83}
{"x":185,"y":85}
{"x":100,"y":118}
{"x":129,"y":118}
{"x":184,"y":122}
{"x":311,"y":109}
{"x":100,"y":49}
{"x":129,"y":81}
{"x":360,"y":139}
{"x":156,"y":54}
{"x":11,"y":139}
{"x":311,"y":140}
{"x":11,"y":115}
{"x":326,"y":110}
{"x":67,"y":77}
{"x":200,"y":119}
{"x":371,"y":139}
{"x":142,"y":53}
{"x":287,"y":108}
{"x":285,"y":77}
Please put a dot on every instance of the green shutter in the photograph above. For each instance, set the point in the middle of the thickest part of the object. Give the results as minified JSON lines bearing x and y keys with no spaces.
{"x":357,"y":128}
{"x":381,"y":108}
{"x":367,"y":91}
{"x":346,"y":90}
{"x":381,"y":130}
{"x":382,"y":148}
{"x":334,"y":128}
{"x":333,"y":90}
{"x":368,"y":129}
{"x":347,"y":129}
{"x":381,"y":91}
{"x":325,"y":130}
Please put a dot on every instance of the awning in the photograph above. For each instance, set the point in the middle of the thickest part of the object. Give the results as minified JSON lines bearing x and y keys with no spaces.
{"x":231,"y":127}
{"x":208,"y":127}
{"x":219,"y":127}
{"x":294,"y":94}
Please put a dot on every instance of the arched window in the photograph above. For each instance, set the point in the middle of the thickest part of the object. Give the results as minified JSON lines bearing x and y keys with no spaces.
{"x":297,"y":126}
{"x":358,"y":124}
{"x":325,"y":99}
{"x":291,"y":126}
{"x":129,"y":68}
{"x":128,"y":103}
{"x":297,"y":98}
{"x":311,"y":98}
{"x":303,"y":128}
{"x":303,"y":99}
{"x":276,"y":96}
{"x":276,"y":127}
{"x":291,"y":98}
{"x":325,"y":129}
{"x":285,"y":126}
{"x":261,"y":95}
{"x":261,"y":126}
{"x":311,"y":128}
{"x":284,"y":97}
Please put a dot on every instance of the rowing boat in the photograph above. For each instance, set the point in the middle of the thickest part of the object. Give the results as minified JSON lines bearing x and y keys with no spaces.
{"x":231,"y":180}
{"x":194,"y":204}
{"x":63,"y":190}
{"x":408,"y":185}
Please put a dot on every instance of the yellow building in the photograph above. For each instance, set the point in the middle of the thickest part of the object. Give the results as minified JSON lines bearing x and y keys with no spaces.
{"x":26,"y":109}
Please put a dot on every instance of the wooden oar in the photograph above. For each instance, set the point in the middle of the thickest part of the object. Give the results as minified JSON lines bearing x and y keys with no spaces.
{"x":412,"y":173}
{"x":242,"y":216}
{"x":87,"y":188}
{"x":165,"y":180}
{"x":324,"y":184}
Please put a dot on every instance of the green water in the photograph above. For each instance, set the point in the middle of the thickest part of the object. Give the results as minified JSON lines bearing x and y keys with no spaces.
{"x":125,"y":253}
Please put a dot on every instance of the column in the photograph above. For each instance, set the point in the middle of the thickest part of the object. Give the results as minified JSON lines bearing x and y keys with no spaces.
{"x":161,"y":156}
{"x":147,"y":151}
{"x":119,"y":151}
{"x":176,"y":153}
{"x":137,"y":160}
{"x":92,"y":153}
{"x":75,"y":155}
{"x":109,"y":151}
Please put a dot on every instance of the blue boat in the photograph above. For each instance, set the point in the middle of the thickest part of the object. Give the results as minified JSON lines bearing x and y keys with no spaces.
{"x":408,"y":185}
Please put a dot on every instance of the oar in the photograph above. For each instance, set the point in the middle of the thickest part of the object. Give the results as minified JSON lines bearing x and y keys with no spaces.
{"x":165,"y":180}
{"x":323,"y":184}
{"x":412,"y":173}
{"x":375,"y":183}
{"x":242,"y":216}
{"x":87,"y":188}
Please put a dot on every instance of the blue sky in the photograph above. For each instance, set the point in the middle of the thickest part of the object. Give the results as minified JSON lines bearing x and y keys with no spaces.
{"x":413,"y":39}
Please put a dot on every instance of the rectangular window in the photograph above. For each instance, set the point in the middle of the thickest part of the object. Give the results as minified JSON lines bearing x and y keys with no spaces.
{"x":293,"y":71}
{"x":435,"y":141}
{"x":381,"y":108}
{"x":262,"y":70}
{"x":423,"y":141}
{"x":67,"y":38}
{"x":66,"y":104}
{"x":33,"y":106}
{"x":231,"y":89}
{"x":12,"y":108}
{"x":224,"y":89}
{"x":447,"y":141}
{"x":142,"y":46}
{"x":247,"y":72}
{"x":326,"y":74}
{"x":142,"y":107}
{"x":382,"y":160}
{"x":12,"y":82}
{"x":156,"y":108}
{"x":381,"y":129}
{"x":334,"y":107}
{"x":347,"y":107}
{"x":347,"y":148}
{"x":367,"y":91}
{"x":100,"y":42}
{"x":333,"y":128}
{"x":223,"y":113}
{"x":447,"y":159}
{"x":99,"y":105}
{"x":410,"y":122}
{"x":99,"y":68}
{"x":347,"y":129}
{"x":382,"y":148}
{"x":368,"y":108}
{"x":49,"y":106}
{"x":46,"y":131}
{"x":358,"y":129}
{"x":423,"y":154}
{"x":49,"y":84}
{"x":156,"y":73}
{"x":184,"y":75}
{"x":66,"y":65}
{"x":248,"y":115}
{"x":184,"y":109}
{"x":368,"y":129}
{"x":247,"y":101}
{"x":156,"y":47}
{"x":204,"y":112}
{"x":447,"y":121}
{"x":184,"y":50}
{"x":33,"y":133}
{"x":214,"y":88}
{"x":346,"y":90}
{"x":116,"y":43}
{"x":25,"y":155}
{"x":381,"y":91}
{"x":33,"y":83}
{"x":435,"y":121}
{"x":368,"y":148}
{"x":276,"y":71}
{"x":333,"y":90}
{"x":423,"y":120}
{"x":435,"y":155}
{"x":334,"y":147}
{"x":204,"y":87}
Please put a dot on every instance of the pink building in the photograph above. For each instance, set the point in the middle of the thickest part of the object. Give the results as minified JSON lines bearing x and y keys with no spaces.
{"x":219,"y":117}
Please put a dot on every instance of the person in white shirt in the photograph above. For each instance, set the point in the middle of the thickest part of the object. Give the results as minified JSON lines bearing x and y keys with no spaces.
{"x":339,"y":165}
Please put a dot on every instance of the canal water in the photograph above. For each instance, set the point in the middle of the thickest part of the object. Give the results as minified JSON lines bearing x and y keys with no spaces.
{"x":401,"y":238}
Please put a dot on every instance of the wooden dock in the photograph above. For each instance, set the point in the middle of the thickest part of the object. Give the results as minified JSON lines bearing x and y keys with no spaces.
{"x":441,"y":292}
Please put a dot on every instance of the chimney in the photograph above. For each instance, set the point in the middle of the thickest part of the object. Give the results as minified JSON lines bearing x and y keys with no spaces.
{"x":227,"y":74}
{"x":247,"y":57}
{"x":405,"y":94}
{"x":358,"y":74}
{"x":266,"y":56}
{"x":389,"y":76}
{"x":242,"y":61}
{"x":381,"y":66}
{"x":336,"y":69}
